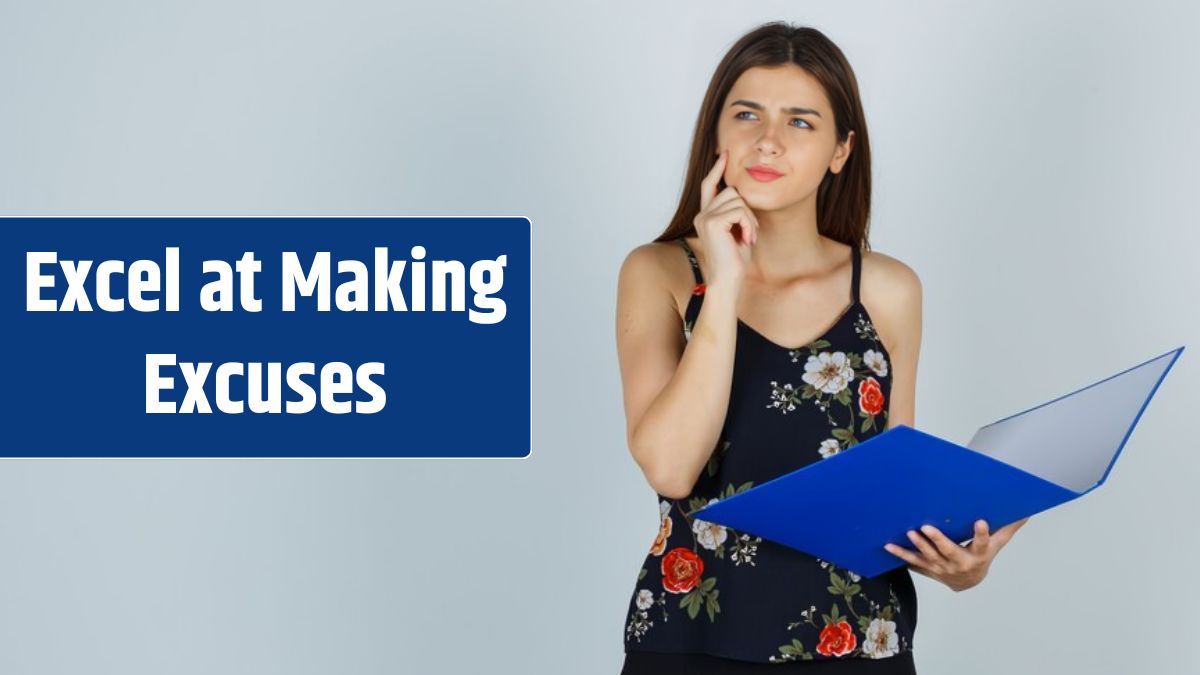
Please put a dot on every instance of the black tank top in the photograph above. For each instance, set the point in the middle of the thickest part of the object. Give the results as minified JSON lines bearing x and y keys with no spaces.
{"x":709,"y":589}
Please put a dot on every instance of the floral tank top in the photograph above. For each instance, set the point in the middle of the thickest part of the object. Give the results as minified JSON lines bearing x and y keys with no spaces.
{"x":706,"y":588}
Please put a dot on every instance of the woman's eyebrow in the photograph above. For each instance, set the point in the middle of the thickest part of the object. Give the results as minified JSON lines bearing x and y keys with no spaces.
{"x":790,"y":111}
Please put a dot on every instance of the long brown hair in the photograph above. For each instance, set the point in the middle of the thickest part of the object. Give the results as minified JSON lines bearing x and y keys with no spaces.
{"x":844,"y":198}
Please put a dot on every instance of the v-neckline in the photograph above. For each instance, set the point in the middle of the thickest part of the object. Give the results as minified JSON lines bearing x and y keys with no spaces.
{"x":836,"y":322}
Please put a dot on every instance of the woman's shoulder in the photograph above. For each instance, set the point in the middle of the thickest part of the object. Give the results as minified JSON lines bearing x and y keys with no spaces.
{"x":661,"y":259}
{"x":887,"y":277}
{"x":659,"y":267}
{"x":891,"y":291}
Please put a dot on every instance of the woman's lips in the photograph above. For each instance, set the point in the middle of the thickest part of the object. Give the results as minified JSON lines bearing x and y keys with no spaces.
{"x":763,"y":175}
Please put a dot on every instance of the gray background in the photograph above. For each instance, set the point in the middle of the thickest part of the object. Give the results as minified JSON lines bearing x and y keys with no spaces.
{"x":1035,"y":163}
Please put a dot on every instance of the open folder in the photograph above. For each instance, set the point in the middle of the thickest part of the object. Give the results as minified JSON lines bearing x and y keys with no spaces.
{"x":903,"y":478}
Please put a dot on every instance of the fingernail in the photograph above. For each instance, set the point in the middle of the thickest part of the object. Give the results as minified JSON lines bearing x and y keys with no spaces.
{"x":926,"y":528}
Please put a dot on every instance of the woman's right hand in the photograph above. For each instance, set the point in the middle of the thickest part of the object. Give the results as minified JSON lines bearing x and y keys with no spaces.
{"x":727,"y":251}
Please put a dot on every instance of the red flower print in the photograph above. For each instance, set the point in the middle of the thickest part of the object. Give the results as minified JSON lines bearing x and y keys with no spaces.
{"x":837,"y":639}
{"x":698,"y":289}
{"x":870,"y":396}
{"x":681,"y":569}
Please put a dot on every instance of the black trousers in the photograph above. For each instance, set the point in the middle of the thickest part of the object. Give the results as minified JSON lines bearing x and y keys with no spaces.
{"x":657,"y":663}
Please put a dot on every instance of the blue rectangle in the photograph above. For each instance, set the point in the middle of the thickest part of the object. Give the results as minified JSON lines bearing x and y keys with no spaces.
{"x":452,"y":384}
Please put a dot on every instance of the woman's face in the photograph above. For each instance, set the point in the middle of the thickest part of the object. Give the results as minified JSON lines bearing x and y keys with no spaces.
{"x":778,"y":117}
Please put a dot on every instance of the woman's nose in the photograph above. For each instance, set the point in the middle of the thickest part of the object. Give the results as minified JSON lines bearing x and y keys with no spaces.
{"x":767,"y":143}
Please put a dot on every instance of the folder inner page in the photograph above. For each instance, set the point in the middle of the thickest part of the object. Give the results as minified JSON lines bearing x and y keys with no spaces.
{"x":1074,"y":439}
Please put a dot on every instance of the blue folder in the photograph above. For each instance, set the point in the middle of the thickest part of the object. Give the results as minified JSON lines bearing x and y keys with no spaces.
{"x":903,"y":478}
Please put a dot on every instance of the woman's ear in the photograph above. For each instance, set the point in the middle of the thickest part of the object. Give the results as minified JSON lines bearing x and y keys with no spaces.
{"x":844,"y":149}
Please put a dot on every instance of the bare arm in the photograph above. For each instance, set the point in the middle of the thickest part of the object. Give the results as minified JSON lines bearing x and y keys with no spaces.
{"x":676,"y":392}
{"x":896,"y":306}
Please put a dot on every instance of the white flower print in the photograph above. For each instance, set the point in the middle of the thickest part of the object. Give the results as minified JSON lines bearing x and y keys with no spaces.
{"x":865,"y":329}
{"x":744,"y":549}
{"x":830,"y":447}
{"x":881,"y":641}
{"x":853,"y":577}
{"x":783,"y":398}
{"x":876,"y":361}
{"x":639,"y":623}
{"x":639,"y":618}
{"x":709,"y":535}
{"x":828,"y":372}
{"x":663,"y":508}
{"x":645,"y":598}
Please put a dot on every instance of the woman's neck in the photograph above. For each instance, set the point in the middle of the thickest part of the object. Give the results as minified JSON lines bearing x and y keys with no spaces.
{"x":789,"y":245}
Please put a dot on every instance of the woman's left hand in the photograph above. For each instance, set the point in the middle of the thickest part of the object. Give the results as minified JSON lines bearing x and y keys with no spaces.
{"x":959,"y":567}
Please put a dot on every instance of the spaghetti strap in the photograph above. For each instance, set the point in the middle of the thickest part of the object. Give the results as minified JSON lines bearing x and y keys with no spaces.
{"x":692,"y":259}
{"x":856,"y":256}
{"x":692,"y":312}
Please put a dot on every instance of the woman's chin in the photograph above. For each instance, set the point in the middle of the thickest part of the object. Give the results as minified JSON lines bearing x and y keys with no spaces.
{"x":765,"y":196}
{"x":761,"y":199}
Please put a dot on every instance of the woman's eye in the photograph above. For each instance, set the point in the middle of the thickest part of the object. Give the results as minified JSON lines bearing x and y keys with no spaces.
{"x":747,"y":112}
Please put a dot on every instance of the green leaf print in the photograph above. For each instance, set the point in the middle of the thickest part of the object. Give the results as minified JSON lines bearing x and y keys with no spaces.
{"x":642,"y":574}
{"x":794,"y":649}
{"x":705,"y":593}
{"x":846,"y":436}
{"x":730,"y":490}
{"x":711,"y":606}
{"x":691,"y":602}
{"x":837,"y":584}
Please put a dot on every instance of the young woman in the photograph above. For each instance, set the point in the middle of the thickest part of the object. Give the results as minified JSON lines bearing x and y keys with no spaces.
{"x":797,"y":342}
